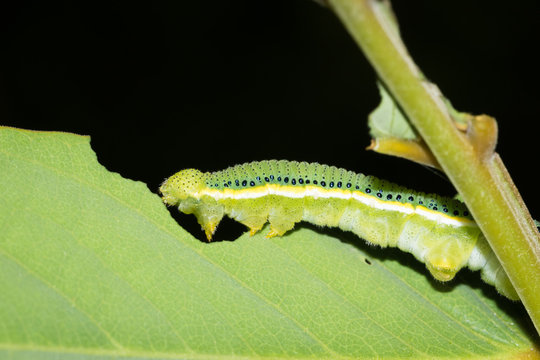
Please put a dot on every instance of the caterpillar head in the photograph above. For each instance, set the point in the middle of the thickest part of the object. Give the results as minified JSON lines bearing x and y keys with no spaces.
{"x":181,"y":186}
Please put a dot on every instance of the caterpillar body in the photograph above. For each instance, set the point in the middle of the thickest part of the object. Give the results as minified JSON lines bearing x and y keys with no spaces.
{"x":438,"y":231}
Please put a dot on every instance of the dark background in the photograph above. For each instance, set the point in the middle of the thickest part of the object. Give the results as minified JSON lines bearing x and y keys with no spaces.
{"x":162,"y":86}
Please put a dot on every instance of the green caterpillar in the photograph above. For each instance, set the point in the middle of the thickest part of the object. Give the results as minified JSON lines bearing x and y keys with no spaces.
{"x":438,"y":231}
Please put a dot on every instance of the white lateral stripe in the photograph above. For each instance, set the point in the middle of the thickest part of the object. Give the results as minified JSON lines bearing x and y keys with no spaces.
{"x":383,"y":205}
{"x":317,"y":192}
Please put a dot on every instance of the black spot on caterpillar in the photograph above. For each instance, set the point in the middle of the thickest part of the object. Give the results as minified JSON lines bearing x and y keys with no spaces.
{"x":438,"y":231}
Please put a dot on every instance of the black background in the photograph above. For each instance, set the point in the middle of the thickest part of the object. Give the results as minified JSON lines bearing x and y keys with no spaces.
{"x":162,"y":86}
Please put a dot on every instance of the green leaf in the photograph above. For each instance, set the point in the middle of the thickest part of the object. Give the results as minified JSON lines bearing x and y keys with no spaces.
{"x":93,"y":266}
{"x":392,"y":134}
{"x":388,"y":121}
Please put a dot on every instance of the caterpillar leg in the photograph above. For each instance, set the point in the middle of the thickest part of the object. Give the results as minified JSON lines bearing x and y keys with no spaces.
{"x":448,"y":256}
{"x":209,"y":225}
{"x":442,"y":269}
{"x":275,"y":232}
{"x":254,"y":223}
{"x":444,"y":253}
{"x":279,"y":226}
{"x":210,"y":229}
{"x":209,"y":216}
{"x":281,"y":222}
{"x":252,"y":214}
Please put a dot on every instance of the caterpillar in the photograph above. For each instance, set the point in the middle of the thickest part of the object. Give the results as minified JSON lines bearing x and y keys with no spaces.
{"x":438,"y":231}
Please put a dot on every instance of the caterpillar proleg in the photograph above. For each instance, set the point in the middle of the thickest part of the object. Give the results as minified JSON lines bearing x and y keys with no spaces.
{"x":438,"y":231}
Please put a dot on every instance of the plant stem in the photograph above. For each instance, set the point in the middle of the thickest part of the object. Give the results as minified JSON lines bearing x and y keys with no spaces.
{"x":482,"y":180}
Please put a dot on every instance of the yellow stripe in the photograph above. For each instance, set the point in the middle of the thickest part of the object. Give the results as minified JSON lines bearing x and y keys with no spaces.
{"x":318,"y":192}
